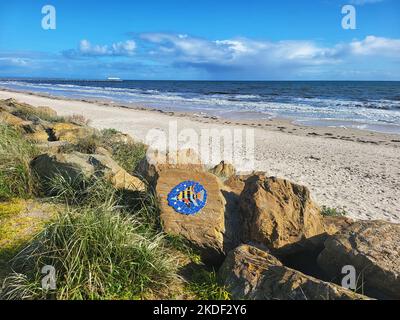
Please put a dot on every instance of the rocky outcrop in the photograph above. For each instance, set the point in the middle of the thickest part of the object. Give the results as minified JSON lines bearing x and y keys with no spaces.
{"x":11,"y":120}
{"x":336,"y":224}
{"x":252,"y":273}
{"x":224,"y":170}
{"x":278,"y":214}
{"x":156,"y":161}
{"x":205,"y":229}
{"x":75,"y":164}
{"x":372,"y":247}
{"x":71,"y":132}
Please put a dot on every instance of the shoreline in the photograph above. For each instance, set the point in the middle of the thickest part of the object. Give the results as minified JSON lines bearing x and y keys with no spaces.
{"x":286,"y":125}
{"x":351,"y":169}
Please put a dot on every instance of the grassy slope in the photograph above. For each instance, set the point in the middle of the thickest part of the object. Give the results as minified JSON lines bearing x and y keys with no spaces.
{"x":102,"y":245}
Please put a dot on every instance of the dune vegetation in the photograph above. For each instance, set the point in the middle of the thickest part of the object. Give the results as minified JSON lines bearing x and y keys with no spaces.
{"x":104,"y":242}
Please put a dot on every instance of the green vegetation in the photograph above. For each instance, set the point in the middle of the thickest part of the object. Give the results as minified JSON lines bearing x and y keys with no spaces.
{"x":16,"y":178}
{"x":29,"y":113}
{"x":77,"y":119}
{"x":104,"y":243}
{"x":127,"y":155}
{"x":84,"y":145}
{"x":97,"y":253}
{"x":205,"y":286}
{"x":332,"y":212}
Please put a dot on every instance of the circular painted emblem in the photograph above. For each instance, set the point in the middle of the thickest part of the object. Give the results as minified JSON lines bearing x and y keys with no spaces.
{"x":188,"y":197}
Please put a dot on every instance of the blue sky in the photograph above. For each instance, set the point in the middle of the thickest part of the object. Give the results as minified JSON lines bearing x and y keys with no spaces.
{"x":201,"y":40}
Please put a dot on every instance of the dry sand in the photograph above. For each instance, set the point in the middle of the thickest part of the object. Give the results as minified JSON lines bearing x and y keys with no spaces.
{"x":358,"y":171}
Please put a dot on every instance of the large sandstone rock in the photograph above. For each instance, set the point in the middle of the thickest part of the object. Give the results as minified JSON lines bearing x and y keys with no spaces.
{"x":279,"y":214}
{"x":205,"y":229}
{"x":334,"y":224}
{"x":75,"y":164}
{"x":71,"y":132}
{"x":372,"y":247}
{"x":156,"y":161}
{"x":231,"y":190}
{"x":251,"y":273}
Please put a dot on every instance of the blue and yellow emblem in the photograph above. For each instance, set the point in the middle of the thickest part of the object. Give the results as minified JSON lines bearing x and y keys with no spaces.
{"x":188,"y":197}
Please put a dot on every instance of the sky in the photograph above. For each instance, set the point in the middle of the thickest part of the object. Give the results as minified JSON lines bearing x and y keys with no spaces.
{"x":201,"y":40}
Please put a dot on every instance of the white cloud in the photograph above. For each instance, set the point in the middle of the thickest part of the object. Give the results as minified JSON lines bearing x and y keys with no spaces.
{"x":240,"y":52}
{"x":126,"y":48}
{"x":243,"y":57}
{"x":376,"y":46}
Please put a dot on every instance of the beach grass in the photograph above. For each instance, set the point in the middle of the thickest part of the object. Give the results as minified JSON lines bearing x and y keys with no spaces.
{"x":332,"y":212}
{"x":204,"y":284}
{"x":104,"y":243}
{"x":97,"y":254}
{"x":127,"y":155}
{"x":16,"y":152}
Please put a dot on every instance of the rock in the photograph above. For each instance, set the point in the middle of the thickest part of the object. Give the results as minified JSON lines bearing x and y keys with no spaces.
{"x":52,"y":147}
{"x":279,"y":214}
{"x":206,"y":229}
{"x":103,"y":151}
{"x":5,"y":107}
{"x":39,"y":136}
{"x":11,"y":120}
{"x":336,"y":224}
{"x":71,"y":132}
{"x":155,"y":162}
{"x":236,"y":183}
{"x":69,"y":165}
{"x":75,"y":164}
{"x":117,"y":175}
{"x":372,"y":247}
{"x":231,"y":190}
{"x":224,"y":169}
{"x":252,"y":273}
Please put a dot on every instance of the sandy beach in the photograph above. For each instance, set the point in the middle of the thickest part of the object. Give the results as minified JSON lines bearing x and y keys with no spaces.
{"x":354,"y":170}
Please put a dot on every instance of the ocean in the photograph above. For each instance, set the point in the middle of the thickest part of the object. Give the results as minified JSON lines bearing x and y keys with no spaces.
{"x":365,"y":105}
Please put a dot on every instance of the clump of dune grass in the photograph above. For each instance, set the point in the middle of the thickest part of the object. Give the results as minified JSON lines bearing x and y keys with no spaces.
{"x":97,"y":254}
{"x":84,"y":191}
{"x":332,"y":212}
{"x":86,"y":145}
{"x":127,"y":155}
{"x":16,"y":178}
{"x":96,"y":191}
{"x":77,"y":119}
